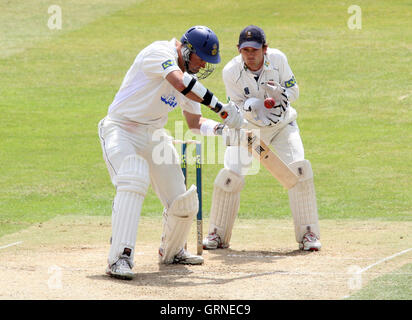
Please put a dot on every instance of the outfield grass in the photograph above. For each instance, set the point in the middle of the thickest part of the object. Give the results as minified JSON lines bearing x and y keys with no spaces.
{"x":354,"y":109}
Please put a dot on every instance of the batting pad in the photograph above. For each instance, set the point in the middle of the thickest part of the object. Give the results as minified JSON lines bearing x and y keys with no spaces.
{"x":302,"y":199}
{"x":225,"y":204}
{"x":176,"y":224}
{"x":132,"y":182}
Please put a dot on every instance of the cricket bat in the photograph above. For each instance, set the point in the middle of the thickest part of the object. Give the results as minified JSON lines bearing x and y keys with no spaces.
{"x":271,"y":161}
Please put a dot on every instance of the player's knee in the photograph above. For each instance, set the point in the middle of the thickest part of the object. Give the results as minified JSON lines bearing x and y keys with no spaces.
{"x":116,"y":153}
{"x":229,"y":181}
{"x":133,"y":175}
{"x":186,"y":205}
{"x":238,"y":159}
{"x":303,"y":169}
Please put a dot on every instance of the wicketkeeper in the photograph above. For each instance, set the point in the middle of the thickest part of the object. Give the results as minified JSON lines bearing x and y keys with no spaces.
{"x":163,"y":76}
{"x":257,"y":74}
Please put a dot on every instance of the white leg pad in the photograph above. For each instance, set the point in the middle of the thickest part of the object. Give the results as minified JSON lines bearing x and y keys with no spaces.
{"x":177,"y":221}
{"x":225,"y":204}
{"x":302,"y":199}
{"x":132,"y":182}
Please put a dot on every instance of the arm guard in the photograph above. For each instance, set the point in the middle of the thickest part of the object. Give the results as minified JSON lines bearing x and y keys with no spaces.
{"x":194,"y":86}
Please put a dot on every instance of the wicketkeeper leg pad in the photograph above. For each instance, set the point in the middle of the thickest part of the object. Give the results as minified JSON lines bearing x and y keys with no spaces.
{"x":177,"y":220}
{"x":225,"y":204}
{"x":302,"y":199}
{"x":132,"y":182}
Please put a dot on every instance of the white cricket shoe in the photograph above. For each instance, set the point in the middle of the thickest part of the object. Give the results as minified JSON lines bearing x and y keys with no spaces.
{"x":310,"y":242}
{"x":213,"y":241}
{"x":185,"y":257}
{"x":121,"y":269}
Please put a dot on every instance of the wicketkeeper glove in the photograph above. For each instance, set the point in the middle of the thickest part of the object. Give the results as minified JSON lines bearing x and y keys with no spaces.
{"x":277,"y":92}
{"x":260,"y":112}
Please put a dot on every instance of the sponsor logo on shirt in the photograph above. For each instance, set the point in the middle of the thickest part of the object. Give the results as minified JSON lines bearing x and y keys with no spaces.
{"x":167,"y":64}
{"x":169,"y":100}
{"x":290,"y":83}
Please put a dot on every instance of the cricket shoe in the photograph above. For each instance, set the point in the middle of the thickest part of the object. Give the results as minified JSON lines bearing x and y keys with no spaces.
{"x":213,"y":241}
{"x":185,"y":257}
{"x":310,"y":242}
{"x":121,"y":269}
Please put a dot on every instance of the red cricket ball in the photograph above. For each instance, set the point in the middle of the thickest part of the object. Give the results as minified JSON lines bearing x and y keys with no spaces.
{"x":269,"y":103}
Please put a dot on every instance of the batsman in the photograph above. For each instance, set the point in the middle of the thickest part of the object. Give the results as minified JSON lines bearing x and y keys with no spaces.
{"x":260,"y":81}
{"x":164,"y":76}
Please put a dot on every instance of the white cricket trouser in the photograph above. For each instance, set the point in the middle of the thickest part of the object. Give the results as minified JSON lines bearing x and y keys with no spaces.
{"x":120,"y":140}
{"x":287,"y":144}
{"x":229,"y":182}
{"x":125,"y":144}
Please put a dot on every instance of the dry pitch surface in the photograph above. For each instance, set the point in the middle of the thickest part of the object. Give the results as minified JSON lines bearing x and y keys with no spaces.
{"x":65,"y":258}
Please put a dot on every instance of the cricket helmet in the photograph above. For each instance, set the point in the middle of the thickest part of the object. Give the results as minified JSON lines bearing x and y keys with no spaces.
{"x":204,"y":42}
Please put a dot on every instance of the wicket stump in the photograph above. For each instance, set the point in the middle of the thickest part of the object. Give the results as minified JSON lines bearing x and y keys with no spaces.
{"x":199,"y":221}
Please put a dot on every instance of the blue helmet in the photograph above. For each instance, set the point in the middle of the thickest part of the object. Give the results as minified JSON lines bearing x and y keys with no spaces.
{"x":202,"y":41}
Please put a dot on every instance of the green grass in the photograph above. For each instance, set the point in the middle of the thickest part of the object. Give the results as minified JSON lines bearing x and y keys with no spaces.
{"x":24,"y":24}
{"x":355,"y":107}
{"x":392,"y":286}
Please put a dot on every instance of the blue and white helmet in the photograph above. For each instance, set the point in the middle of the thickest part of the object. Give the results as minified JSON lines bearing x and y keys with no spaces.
{"x":204,"y":42}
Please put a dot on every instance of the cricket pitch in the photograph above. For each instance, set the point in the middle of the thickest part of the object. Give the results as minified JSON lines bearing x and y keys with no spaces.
{"x":65,"y":258}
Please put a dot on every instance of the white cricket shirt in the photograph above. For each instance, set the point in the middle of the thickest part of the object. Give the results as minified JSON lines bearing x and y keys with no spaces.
{"x":241,"y":84}
{"x":145,"y":96}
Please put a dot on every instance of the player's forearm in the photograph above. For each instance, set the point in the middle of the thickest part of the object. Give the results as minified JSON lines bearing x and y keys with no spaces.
{"x":194,"y":97}
{"x":200,"y":125}
{"x":194,"y":90}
